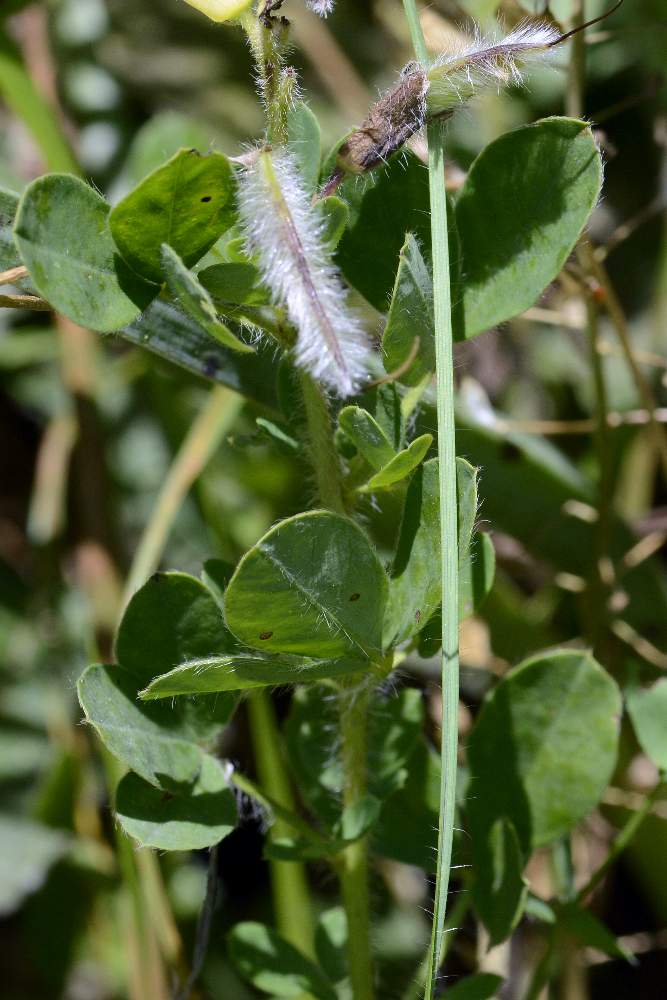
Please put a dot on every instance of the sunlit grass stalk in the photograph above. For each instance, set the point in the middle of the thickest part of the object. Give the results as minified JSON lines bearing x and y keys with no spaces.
{"x":207,"y":430}
{"x":448,"y":512}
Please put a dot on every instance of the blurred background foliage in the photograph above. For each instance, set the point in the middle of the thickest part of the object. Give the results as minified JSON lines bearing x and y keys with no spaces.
{"x":91,"y":427}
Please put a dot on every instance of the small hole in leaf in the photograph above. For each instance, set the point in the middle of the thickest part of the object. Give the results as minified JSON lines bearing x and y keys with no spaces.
{"x":265,"y":635}
{"x":355,"y":597}
{"x":207,"y":197}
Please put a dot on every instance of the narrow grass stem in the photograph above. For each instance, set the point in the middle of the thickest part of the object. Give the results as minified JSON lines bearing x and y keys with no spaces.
{"x":456,"y":914}
{"x":448,"y":512}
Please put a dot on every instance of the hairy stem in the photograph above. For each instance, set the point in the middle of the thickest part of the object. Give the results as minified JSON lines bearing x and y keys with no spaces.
{"x":448,"y":512}
{"x":321,"y":448}
{"x":291,"y":903}
{"x":352,"y":866}
{"x":353,"y":863}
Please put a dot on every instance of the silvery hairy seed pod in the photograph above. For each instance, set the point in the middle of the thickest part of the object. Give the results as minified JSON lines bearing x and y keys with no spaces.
{"x":284,"y":230}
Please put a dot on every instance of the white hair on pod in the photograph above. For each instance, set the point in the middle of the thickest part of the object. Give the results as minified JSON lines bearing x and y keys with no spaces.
{"x":285,"y":232}
{"x":457,"y":76}
{"x":321,"y":7}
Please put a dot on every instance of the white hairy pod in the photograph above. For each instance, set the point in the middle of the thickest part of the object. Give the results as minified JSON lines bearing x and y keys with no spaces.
{"x":285,"y":232}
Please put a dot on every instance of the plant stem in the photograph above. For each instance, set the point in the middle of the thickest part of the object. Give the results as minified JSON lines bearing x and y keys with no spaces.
{"x":353,"y":864}
{"x":287,"y":816}
{"x":619,"y":321}
{"x":215,"y":419}
{"x":321,"y":447}
{"x":622,"y":840}
{"x":456,"y":914}
{"x":291,"y":903}
{"x":448,"y":511}
{"x":543,"y":970}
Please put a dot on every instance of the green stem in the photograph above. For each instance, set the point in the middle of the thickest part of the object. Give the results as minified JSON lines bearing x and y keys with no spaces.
{"x":456,"y":914}
{"x":448,"y":510}
{"x":268,"y":46}
{"x":215,"y":419}
{"x":353,"y":864}
{"x":543,"y":970}
{"x":321,"y":447}
{"x":291,"y":902}
{"x":622,"y":840}
{"x":287,"y":816}
{"x":147,"y":974}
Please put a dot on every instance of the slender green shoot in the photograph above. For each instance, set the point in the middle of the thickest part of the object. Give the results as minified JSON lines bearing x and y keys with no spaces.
{"x":294,"y":918}
{"x":448,"y":512}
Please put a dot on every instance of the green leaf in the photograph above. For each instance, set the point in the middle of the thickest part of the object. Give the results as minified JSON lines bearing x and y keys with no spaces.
{"x":648,"y":710}
{"x":400,"y":466}
{"x":239,"y":672}
{"x":185,"y":819}
{"x":331,"y":943}
{"x":274,"y":966}
{"x":357,"y":819}
{"x":334,"y":216}
{"x":476,"y":573}
{"x":384,"y":206}
{"x":544,"y":747}
{"x":9,"y":255}
{"x":311,"y":585}
{"x":28,"y":852}
{"x":284,"y":442}
{"x":394,"y":730}
{"x":147,"y":738}
{"x":304,"y":142}
{"x":520,"y":212}
{"x":481,"y":986}
{"x":173,"y":336}
{"x":414,"y":585}
{"x":588,"y":930}
{"x":395,"y":725}
{"x":61,"y":232}
{"x":161,"y":136}
{"x":187,"y":203}
{"x":499,"y":889}
{"x":384,"y":401}
{"x":367,"y":436}
{"x":173,"y":618}
{"x":216,"y":574}
{"x":408,"y":826}
{"x":410,"y":316}
{"x":195,"y":300}
{"x":238,"y":284}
